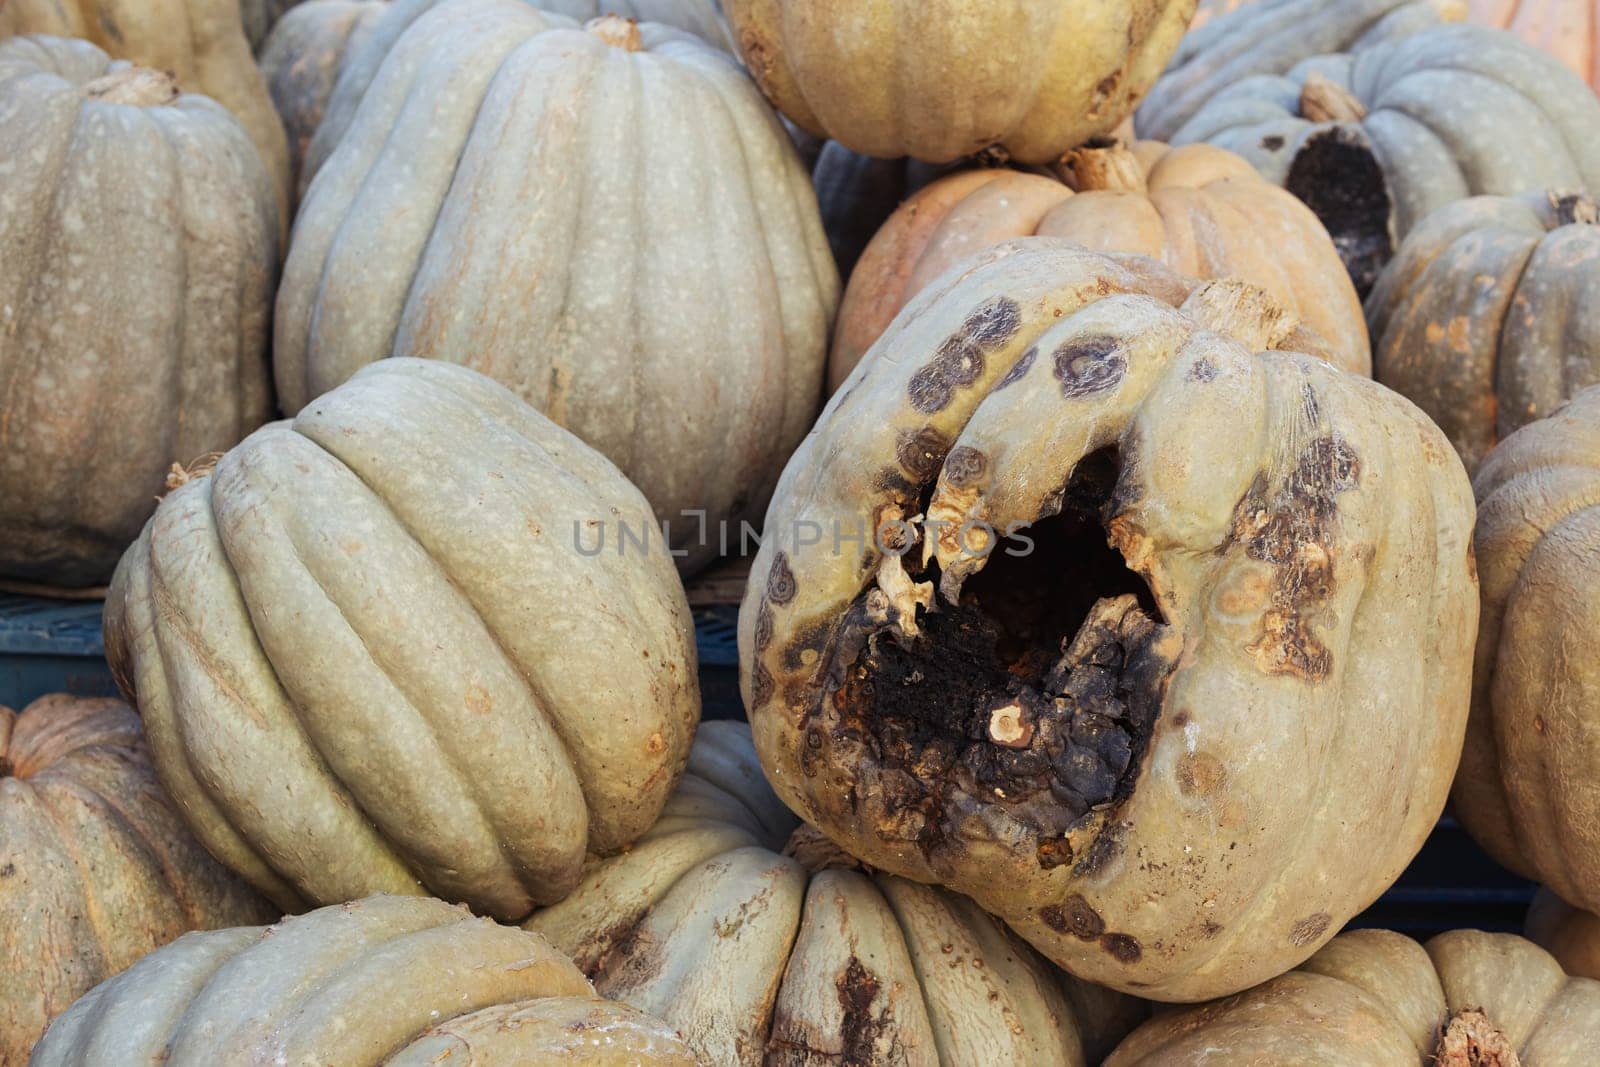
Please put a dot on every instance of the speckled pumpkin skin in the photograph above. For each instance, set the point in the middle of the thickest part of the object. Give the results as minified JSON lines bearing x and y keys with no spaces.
{"x":372,"y":657}
{"x":1202,"y":211}
{"x":761,"y":954}
{"x":139,"y":245}
{"x":397,"y":981}
{"x":939,"y":79}
{"x":1373,"y":998}
{"x":1529,"y":782}
{"x":1569,"y":934}
{"x":1296,"y":527}
{"x":96,"y":869}
{"x":1484,"y":318}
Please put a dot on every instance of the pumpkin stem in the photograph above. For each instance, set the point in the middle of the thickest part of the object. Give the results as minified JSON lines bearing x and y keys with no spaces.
{"x":808,"y":847}
{"x":617,"y":32}
{"x":1451,"y":10}
{"x":1324,"y":100}
{"x":180,"y":475}
{"x":135,"y":87}
{"x":1574,"y":209}
{"x":1471,"y":1040}
{"x":1103,"y":164}
{"x":1239,"y":309}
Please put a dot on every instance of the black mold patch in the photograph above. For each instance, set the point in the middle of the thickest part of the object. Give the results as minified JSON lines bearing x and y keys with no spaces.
{"x":965,"y":466}
{"x":781,"y":586}
{"x":1089,"y":365}
{"x":963,"y":357}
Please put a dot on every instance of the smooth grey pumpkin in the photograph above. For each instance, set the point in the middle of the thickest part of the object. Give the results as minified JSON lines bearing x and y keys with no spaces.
{"x":139,"y":246}
{"x":372,"y":657}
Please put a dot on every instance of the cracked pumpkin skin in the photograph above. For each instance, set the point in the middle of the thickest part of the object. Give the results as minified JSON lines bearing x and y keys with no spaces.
{"x":762,"y":943}
{"x":398,"y":981}
{"x":1200,"y":210}
{"x":370,"y":657}
{"x":1372,"y":998}
{"x":1227,"y":762}
{"x":939,"y":79}
{"x":96,"y":868}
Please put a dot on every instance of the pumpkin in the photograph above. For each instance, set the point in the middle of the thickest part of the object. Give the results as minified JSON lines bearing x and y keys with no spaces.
{"x":96,"y":870}
{"x":135,"y":296}
{"x":259,"y":17}
{"x":1200,"y":210}
{"x":1481,"y":318}
{"x":1210,"y":9}
{"x":1373,"y":998}
{"x":1564,"y":28}
{"x":761,"y":943}
{"x":1145,"y":731}
{"x":1569,"y":934}
{"x":1375,"y":141}
{"x":942,"y":79}
{"x":302,"y":58}
{"x":856,"y":195}
{"x":1528,"y":785}
{"x":1270,"y":37}
{"x":697,"y":369}
{"x":199,"y":42}
{"x":399,"y":981}
{"x":377,"y":649}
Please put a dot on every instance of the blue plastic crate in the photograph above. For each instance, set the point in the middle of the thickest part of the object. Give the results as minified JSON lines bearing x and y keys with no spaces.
{"x":51,"y":646}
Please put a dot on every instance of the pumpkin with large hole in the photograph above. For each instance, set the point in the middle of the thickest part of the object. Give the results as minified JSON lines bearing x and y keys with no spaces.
{"x":200,"y":43}
{"x":1078,"y":602}
{"x":1485,"y":316}
{"x":1198,"y":209}
{"x":1570,"y":934}
{"x":96,"y":869}
{"x":1530,"y":773}
{"x":376,"y":649}
{"x":1373,"y":998}
{"x":139,"y":247}
{"x":763,"y":944}
{"x":943,"y":79}
{"x":696,"y":369}
{"x":1376,"y":140}
{"x":398,"y":981}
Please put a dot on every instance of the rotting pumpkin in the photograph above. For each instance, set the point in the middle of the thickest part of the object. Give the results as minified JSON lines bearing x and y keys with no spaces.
{"x":764,"y":944}
{"x":372,"y":657}
{"x":1144,"y":735}
{"x":1200,"y":210}
{"x":96,"y":869}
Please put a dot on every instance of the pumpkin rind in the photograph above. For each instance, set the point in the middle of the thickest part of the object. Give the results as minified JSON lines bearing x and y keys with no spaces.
{"x":386,"y":980}
{"x":371,"y":660}
{"x":696,"y":370}
{"x":1376,"y":140}
{"x":1567,"y":29}
{"x":96,"y":869}
{"x":135,"y":298}
{"x":1482,"y":317}
{"x":1569,"y":934}
{"x":1263,"y":500}
{"x":1200,"y":210}
{"x":942,"y":79}
{"x":200,"y":42}
{"x":1527,"y":785}
{"x":1373,"y":998}
{"x":764,"y":957}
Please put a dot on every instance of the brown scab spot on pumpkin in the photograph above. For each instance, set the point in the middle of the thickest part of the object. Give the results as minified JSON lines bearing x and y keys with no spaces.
{"x":803,"y":652}
{"x":928,"y":391}
{"x":860,"y":1026}
{"x":965,"y":467}
{"x":1307,"y":930}
{"x":1202,"y":370}
{"x":1078,"y":918}
{"x":921,"y":451}
{"x":963,"y":356}
{"x":1200,"y":774}
{"x":764,"y":626}
{"x":1272,"y":142}
{"x":1054,"y":852}
{"x":1210,"y":929}
{"x":781,"y":586}
{"x":761,"y":686}
{"x":1018,"y":369}
{"x":1089,"y":365}
{"x":1124,"y":948}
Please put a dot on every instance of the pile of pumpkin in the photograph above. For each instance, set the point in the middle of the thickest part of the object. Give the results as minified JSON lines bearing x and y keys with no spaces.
{"x":1114,"y":637}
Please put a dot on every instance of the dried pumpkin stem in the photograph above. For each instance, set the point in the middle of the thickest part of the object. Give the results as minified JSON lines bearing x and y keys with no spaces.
{"x":1106,"y":165}
{"x":1239,"y":309}
{"x":617,"y":32}
{"x":1574,"y":209}
{"x":1324,"y":100}
{"x":1471,"y":1040}
{"x":134,"y":87}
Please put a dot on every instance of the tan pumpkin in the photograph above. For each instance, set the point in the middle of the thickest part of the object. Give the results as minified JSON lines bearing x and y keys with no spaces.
{"x":1569,"y":934}
{"x":139,"y":247}
{"x":1566,"y":29}
{"x":942,"y":79}
{"x":398,"y":981}
{"x":1529,"y":782}
{"x":1200,"y":210}
{"x":199,"y":42}
{"x":762,"y":952}
{"x":301,"y":60}
{"x":1210,"y":9}
{"x":696,"y":369}
{"x":1147,"y":732}
{"x":1485,"y":317}
{"x":374,"y":654}
{"x":1373,"y":998}
{"x":96,"y":869}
